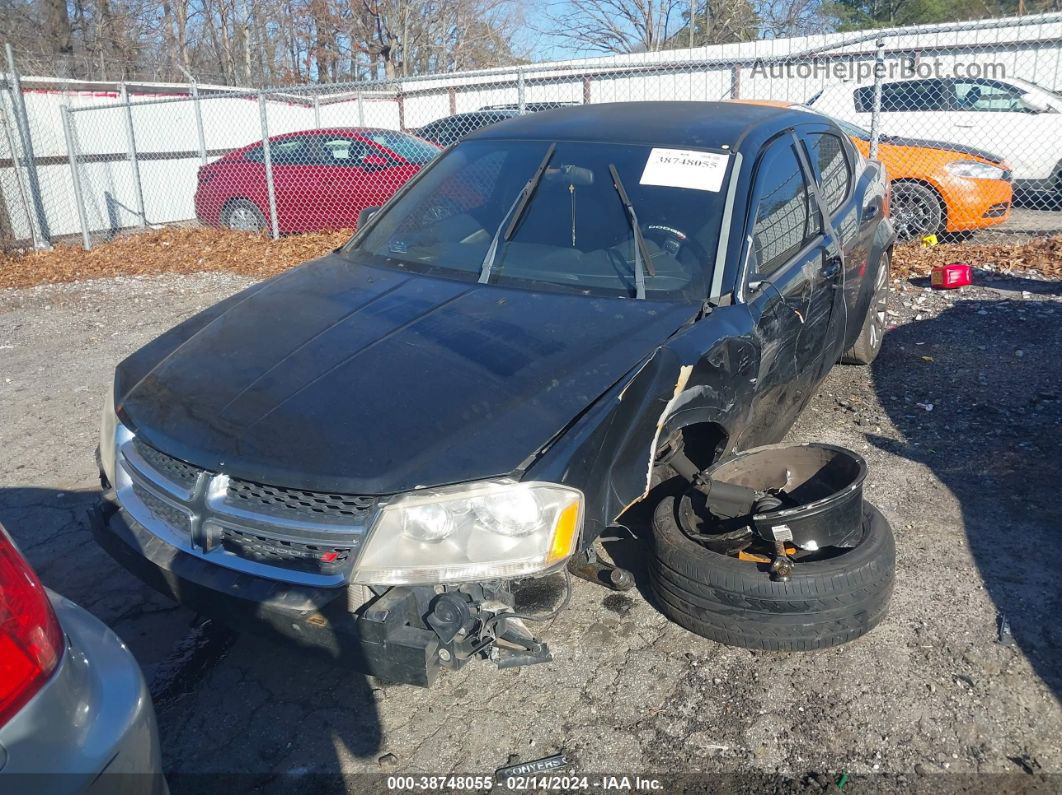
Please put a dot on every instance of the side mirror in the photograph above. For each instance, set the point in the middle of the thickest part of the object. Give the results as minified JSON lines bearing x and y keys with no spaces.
{"x":365,"y":215}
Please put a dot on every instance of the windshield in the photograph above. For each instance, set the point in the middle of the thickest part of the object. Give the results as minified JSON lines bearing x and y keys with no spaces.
{"x":405,"y":146}
{"x":574,"y":233}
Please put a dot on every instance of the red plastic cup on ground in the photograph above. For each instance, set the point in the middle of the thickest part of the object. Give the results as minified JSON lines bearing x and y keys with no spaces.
{"x":950,"y":276}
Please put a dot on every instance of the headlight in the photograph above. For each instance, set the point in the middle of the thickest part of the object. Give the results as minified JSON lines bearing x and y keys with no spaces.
{"x":975,"y":170}
{"x":471,"y":532}
{"x":108,"y":429}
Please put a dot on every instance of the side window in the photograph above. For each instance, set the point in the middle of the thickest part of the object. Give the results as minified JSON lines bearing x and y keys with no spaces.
{"x":832,"y":169}
{"x":981,"y":95}
{"x":300,"y":151}
{"x":909,"y":96}
{"x":342,"y":152}
{"x":783,"y":221}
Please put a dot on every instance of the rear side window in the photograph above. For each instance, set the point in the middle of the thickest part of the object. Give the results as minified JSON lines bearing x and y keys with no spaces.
{"x":832,"y":170}
{"x":301,"y":151}
{"x":783,"y":218}
{"x":909,"y":96}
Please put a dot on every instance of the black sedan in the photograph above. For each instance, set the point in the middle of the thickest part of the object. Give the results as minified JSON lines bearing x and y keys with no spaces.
{"x":370,"y":452}
{"x":451,"y":129}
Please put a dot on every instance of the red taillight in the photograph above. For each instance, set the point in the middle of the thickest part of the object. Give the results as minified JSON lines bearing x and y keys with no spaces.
{"x":31,"y":641}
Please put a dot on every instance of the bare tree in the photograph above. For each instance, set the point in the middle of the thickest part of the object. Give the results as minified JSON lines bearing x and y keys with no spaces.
{"x":260,"y":42}
{"x":619,"y":26}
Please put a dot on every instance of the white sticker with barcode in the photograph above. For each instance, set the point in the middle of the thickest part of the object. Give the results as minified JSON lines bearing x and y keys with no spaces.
{"x":685,"y":168}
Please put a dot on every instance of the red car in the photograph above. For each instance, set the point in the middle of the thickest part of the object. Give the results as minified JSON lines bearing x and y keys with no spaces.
{"x":322,"y":178}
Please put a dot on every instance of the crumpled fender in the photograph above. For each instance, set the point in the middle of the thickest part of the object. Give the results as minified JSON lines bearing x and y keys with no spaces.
{"x":610,"y":452}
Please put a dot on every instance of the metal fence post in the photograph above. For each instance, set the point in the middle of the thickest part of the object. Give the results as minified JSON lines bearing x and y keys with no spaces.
{"x":316,"y":112}
{"x":75,"y":173}
{"x":267,"y":160}
{"x":41,"y":234}
{"x":361,"y":110}
{"x":875,"y":113}
{"x":201,"y":135}
{"x":521,"y":99}
{"x":134,"y":165}
{"x":23,"y":191}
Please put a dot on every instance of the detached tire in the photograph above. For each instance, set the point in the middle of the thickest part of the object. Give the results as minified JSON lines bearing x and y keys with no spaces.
{"x":825,"y":603}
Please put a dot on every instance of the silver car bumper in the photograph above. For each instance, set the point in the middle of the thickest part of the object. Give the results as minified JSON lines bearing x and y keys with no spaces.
{"x":91,"y":728}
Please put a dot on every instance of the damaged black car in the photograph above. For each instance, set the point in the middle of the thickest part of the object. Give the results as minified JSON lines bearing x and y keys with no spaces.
{"x":369,"y":453}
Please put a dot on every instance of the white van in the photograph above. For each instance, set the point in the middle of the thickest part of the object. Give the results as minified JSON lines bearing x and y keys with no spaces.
{"x":1018,"y":120}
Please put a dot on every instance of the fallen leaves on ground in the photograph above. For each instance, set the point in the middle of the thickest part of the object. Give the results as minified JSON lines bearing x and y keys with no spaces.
{"x":1042,"y":255}
{"x":167,"y":250}
{"x":199,"y":249}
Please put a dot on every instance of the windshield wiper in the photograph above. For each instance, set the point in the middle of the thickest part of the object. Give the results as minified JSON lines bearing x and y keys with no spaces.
{"x":641,"y":253}
{"x":516,"y":211}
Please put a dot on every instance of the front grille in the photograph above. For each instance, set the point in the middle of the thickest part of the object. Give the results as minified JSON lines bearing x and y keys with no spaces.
{"x":174,"y":469}
{"x":295,"y":503}
{"x":172,"y":517}
{"x":268,"y":530}
{"x":305,"y":557}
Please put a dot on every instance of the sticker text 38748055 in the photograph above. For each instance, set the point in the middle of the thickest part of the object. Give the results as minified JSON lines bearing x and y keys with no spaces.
{"x":684,"y":168}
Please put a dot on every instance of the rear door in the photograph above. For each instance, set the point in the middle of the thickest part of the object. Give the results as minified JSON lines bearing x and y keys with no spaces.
{"x":850,"y":231}
{"x":296,"y":182}
{"x":787,"y":288}
{"x":911,"y":108}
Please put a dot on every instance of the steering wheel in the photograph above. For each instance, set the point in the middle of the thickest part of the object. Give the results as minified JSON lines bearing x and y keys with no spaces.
{"x":672,"y":240}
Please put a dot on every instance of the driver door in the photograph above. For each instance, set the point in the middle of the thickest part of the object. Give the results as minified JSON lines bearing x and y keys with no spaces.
{"x":354,"y":176}
{"x":991,"y":115}
{"x":789,"y":273}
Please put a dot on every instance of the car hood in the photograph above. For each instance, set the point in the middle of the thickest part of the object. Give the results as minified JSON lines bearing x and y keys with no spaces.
{"x":362,"y":380}
{"x":945,"y":146}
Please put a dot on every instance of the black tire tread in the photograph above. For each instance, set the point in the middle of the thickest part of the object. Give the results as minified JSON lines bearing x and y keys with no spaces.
{"x":861,"y":352}
{"x":824,"y":604}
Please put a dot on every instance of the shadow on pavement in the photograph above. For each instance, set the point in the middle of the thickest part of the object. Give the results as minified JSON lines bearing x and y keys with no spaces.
{"x":236,"y":711}
{"x":993,"y":437}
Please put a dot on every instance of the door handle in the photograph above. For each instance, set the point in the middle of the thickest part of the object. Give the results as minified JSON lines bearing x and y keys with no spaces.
{"x":831,"y":269}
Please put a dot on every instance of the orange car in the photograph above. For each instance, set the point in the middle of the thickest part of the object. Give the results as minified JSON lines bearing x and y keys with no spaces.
{"x":936,"y":186}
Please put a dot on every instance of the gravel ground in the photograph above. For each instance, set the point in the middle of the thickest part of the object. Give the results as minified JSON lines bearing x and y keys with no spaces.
{"x":959,"y":420}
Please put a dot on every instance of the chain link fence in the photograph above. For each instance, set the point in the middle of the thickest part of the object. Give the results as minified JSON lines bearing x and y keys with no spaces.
{"x":966,"y":117}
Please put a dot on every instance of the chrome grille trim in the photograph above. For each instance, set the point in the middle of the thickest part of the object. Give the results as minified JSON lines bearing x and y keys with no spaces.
{"x":158,"y":493}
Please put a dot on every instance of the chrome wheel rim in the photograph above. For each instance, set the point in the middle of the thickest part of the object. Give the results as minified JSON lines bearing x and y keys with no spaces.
{"x":912,"y":214}
{"x":243,"y":219}
{"x":879,"y":310}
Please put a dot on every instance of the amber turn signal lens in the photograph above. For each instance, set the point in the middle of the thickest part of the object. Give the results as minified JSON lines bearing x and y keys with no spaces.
{"x":564,"y":534}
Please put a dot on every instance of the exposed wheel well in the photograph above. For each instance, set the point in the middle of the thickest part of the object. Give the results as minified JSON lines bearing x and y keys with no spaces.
{"x":702,"y":442}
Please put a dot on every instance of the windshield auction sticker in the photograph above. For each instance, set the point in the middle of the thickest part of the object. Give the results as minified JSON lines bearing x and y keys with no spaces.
{"x":684,"y":168}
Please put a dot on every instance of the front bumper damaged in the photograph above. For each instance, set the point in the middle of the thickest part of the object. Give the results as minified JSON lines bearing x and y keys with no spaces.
{"x":405,"y":634}
{"x":381,"y":640}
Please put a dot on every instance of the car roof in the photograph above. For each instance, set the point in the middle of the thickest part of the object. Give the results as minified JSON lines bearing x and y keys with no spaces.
{"x":699,"y":124}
